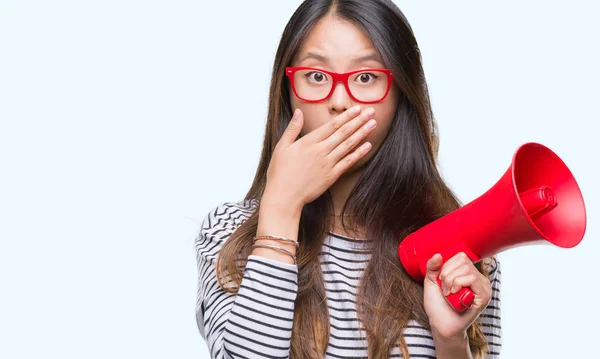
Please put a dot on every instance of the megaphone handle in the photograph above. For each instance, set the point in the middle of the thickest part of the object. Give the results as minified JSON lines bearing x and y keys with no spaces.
{"x":461,"y":300}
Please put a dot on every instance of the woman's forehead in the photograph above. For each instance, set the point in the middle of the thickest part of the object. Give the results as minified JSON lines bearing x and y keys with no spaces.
{"x":335,"y":42}
{"x":332,"y":34}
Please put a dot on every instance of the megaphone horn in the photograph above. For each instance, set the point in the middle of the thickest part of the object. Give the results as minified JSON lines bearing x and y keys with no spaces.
{"x":536,"y":201}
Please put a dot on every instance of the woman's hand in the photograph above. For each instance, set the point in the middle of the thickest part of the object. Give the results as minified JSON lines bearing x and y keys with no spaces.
{"x":302,"y":169}
{"x":459,"y":271}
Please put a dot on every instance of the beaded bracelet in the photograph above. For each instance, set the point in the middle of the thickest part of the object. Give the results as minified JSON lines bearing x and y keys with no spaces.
{"x":281,"y":239}
{"x":277,"y":248}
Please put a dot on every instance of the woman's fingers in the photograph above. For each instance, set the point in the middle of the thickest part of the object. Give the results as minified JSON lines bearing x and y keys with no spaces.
{"x":460,"y":272}
{"x":351,"y":142}
{"x":342,"y":166}
{"x":293,"y":128}
{"x":343,"y":139}
{"x":330,"y":127}
{"x":434,"y":265}
{"x":453,"y":263}
{"x":478,"y":283}
{"x":449,"y":284}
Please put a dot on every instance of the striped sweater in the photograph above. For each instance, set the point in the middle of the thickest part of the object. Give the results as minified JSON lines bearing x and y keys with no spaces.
{"x":257,"y":321}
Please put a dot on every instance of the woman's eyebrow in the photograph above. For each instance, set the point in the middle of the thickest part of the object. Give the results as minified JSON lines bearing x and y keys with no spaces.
{"x":370,"y":57}
{"x":312,"y":55}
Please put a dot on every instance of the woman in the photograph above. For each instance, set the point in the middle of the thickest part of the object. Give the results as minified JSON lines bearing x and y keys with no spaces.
{"x":306,"y":265}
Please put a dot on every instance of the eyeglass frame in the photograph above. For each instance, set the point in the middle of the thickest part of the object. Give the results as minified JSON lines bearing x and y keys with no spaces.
{"x":337,"y":77}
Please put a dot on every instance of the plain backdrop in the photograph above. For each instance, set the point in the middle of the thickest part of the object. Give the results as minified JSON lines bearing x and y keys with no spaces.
{"x":122,"y":123}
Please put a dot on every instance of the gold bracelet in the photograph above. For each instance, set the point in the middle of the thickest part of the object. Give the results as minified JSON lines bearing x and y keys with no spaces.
{"x":277,"y":248}
{"x":281,"y":239}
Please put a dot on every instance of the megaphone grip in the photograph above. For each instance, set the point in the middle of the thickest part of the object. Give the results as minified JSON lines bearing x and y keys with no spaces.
{"x":461,"y":300}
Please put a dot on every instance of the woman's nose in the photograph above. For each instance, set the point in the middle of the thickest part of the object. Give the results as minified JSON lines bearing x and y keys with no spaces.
{"x":340,"y":100}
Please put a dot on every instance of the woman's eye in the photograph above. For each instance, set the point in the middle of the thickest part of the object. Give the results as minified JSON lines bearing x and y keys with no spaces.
{"x":365,"y":77}
{"x":317,"y":77}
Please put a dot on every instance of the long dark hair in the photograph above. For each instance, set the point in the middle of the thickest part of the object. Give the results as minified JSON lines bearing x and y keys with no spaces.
{"x":399,"y":191}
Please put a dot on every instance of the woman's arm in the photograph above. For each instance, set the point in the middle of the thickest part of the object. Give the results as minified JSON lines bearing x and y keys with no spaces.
{"x":491,"y":324}
{"x":258,"y":320}
{"x":456,"y":349}
{"x":448,"y":327}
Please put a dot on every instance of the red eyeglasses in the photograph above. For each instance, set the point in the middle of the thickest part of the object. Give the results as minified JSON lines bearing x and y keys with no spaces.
{"x":314,"y":85}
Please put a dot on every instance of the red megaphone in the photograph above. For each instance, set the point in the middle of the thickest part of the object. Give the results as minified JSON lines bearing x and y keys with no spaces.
{"x":537,"y":201}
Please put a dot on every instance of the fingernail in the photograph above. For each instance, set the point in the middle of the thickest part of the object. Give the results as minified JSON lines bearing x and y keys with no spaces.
{"x":355,"y":109}
{"x":296,"y":111}
{"x":369,"y":111}
{"x":444,"y":290}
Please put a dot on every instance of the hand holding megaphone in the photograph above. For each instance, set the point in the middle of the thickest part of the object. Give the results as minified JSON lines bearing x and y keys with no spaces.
{"x":537,"y":201}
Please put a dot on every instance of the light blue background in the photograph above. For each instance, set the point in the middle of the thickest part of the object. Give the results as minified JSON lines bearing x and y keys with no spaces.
{"x":121,"y":126}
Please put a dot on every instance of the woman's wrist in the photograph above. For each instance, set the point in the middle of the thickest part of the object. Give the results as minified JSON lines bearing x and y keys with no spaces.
{"x":281,"y":218}
{"x":454,"y":347}
{"x":281,"y":203}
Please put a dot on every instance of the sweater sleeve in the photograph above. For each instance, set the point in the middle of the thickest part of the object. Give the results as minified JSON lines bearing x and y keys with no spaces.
{"x":257,"y":321}
{"x":490,"y":318}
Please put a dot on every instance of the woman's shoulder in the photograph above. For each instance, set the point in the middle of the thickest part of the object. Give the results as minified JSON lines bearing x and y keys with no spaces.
{"x":227,"y":216}
{"x":220,"y":222}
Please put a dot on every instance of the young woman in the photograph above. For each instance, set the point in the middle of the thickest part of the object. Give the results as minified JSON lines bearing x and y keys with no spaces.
{"x":306,"y":265}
